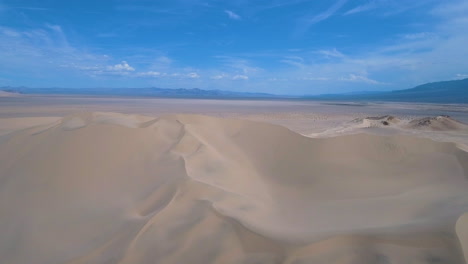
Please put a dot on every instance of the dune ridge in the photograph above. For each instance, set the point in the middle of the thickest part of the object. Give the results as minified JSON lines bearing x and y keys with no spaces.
{"x":435,"y":123}
{"x":438,"y":123}
{"x":113,"y":188}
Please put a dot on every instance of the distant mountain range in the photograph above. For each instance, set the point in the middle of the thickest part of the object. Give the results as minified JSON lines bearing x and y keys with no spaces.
{"x":437,"y":92}
{"x":142,"y":92}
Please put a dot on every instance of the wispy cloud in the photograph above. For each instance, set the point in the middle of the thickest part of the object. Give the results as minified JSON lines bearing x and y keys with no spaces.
{"x":193,"y":75}
{"x":30,"y":8}
{"x":362,"y":8}
{"x":120,"y":69}
{"x":451,"y":8}
{"x":279,"y":4}
{"x":176,"y":75}
{"x":306,"y":22}
{"x":232,"y":15}
{"x":314,"y":78}
{"x":239,"y":65}
{"x":360,"y":78}
{"x":47,"y":46}
{"x":240,"y":77}
{"x":331,"y":53}
{"x":151,"y":74}
{"x":161,"y":63}
{"x":219,"y":76}
{"x":387,"y":7}
{"x":328,"y":13}
{"x":10,"y":32}
{"x":418,"y":35}
{"x":294,"y":61}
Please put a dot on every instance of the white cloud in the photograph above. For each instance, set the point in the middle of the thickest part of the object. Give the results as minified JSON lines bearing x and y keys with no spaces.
{"x":461,"y":76}
{"x":359,"y":78}
{"x":176,"y":75}
{"x":240,"y":77}
{"x":219,"y":76}
{"x":193,"y":75}
{"x":151,"y":74}
{"x":232,"y":15}
{"x":121,"y":69}
{"x":331,"y":53}
{"x":315,"y":79}
{"x":123,"y":66}
{"x":419,"y":35}
{"x":277,"y":79}
{"x":83,"y":68}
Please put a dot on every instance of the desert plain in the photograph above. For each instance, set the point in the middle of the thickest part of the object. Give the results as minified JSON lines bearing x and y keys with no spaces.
{"x":141,"y":180}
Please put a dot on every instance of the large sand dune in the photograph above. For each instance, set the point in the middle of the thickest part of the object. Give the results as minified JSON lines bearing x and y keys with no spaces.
{"x":111,"y":188}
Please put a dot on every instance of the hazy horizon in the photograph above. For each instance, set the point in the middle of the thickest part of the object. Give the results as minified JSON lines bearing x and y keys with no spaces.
{"x":279,"y":47}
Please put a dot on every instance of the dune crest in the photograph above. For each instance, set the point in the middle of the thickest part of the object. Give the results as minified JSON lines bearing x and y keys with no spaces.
{"x":377,"y":121}
{"x":113,"y":188}
{"x":438,"y":128}
{"x":438,"y":123}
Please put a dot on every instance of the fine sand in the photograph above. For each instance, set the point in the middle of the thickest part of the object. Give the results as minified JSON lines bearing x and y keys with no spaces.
{"x":97,"y":187}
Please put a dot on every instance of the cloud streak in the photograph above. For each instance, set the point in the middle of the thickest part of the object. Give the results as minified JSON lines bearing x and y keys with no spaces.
{"x":331,"y":53}
{"x":232,"y":15}
{"x":362,"y":8}
{"x":306,"y":22}
{"x":358,"y":78}
{"x":240,"y":77}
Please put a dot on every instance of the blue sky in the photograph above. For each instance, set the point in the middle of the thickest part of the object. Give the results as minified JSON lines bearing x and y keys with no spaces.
{"x":276,"y":46}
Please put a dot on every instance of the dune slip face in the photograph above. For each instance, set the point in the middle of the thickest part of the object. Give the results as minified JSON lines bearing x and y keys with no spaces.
{"x":113,"y":188}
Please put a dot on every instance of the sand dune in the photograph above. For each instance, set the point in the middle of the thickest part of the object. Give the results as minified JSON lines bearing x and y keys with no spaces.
{"x":378,"y":121}
{"x":8,"y":125}
{"x":438,"y":123}
{"x":438,"y":128}
{"x":112,"y":188}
